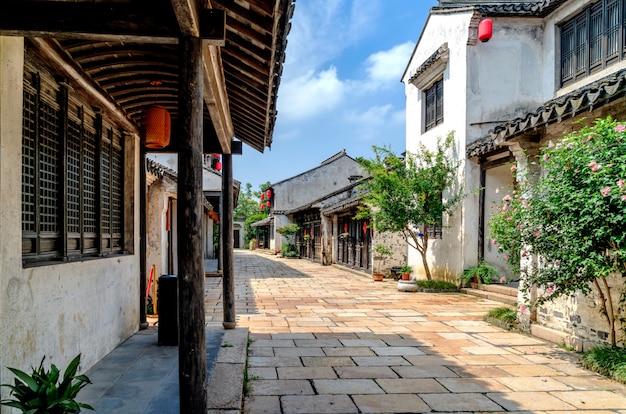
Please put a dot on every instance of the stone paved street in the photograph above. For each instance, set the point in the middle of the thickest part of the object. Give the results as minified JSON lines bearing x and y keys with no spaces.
{"x":328,"y":340}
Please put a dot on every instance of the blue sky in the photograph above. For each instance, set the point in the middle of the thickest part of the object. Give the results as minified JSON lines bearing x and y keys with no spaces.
{"x":340,"y":87}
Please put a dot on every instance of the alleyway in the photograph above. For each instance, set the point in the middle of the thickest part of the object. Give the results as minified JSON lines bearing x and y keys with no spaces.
{"x":326,"y":340}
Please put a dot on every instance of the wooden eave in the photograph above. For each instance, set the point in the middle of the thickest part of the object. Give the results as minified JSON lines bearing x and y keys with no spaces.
{"x":125,"y":54}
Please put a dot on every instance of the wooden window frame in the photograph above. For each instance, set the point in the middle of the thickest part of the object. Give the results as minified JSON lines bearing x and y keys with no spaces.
{"x":433,"y":105}
{"x":592,"y":40}
{"x":70,"y":157}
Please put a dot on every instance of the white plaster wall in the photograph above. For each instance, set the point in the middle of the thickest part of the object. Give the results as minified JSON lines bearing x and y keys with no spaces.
{"x":314,"y":184}
{"x":63,"y":309}
{"x":484,"y":85}
{"x":11,"y":73}
{"x":496,"y":178}
{"x":445,"y":256}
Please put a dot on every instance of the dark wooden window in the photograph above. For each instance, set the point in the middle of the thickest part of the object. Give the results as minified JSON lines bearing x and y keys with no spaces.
{"x":592,"y":40}
{"x":72,"y":175}
{"x":434,"y":105}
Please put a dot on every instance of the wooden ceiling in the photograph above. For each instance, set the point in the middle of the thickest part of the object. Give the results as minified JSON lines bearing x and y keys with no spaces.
{"x":126,"y":51}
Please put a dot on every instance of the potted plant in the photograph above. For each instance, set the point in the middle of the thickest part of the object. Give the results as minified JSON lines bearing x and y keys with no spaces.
{"x":483,"y":273}
{"x":380,"y":251}
{"x":43,"y":392}
{"x":406,"y":271}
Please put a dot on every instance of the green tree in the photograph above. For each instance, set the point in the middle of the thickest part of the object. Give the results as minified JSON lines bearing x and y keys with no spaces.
{"x":409,"y":194}
{"x":289,"y":231}
{"x":571,"y":216}
{"x":249,"y":210}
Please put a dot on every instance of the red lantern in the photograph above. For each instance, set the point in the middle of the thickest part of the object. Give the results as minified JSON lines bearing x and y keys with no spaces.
{"x":156,"y":127}
{"x":365,"y":227}
{"x":485,"y":29}
{"x":262,"y":196}
{"x":218,"y":166}
{"x":268,"y":204}
{"x":262,"y":206}
{"x":345,"y":227}
{"x":269,"y":193}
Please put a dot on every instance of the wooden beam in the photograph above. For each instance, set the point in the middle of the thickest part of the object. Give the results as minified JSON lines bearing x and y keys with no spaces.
{"x":192,"y":332}
{"x":131,"y":22}
{"x":216,"y":97}
{"x":99,"y":98}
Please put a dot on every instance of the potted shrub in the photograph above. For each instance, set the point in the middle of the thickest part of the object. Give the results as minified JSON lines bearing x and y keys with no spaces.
{"x":406,"y":271}
{"x":380,"y":251}
{"x":483,"y":273}
{"x":44,"y":392}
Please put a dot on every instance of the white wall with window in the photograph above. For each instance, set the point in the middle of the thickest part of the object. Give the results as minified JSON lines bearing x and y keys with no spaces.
{"x":68,"y":273}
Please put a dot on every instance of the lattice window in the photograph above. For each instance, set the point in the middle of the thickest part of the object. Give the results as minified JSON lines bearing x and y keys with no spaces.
{"x":72,"y":175}
{"x":434,"y":105}
{"x":592,"y":39}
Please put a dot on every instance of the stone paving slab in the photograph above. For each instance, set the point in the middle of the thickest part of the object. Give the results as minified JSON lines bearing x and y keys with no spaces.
{"x":328,"y":340}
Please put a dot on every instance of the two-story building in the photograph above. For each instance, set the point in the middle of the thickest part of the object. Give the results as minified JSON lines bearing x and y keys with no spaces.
{"x":538,"y":68}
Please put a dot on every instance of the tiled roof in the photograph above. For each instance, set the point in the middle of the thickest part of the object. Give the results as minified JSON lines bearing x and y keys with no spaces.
{"x":504,"y":8}
{"x":581,"y":100}
{"x":431,"y":60}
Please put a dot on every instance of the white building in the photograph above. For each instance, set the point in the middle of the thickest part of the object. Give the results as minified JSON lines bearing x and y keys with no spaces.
{"x":547,"y":64}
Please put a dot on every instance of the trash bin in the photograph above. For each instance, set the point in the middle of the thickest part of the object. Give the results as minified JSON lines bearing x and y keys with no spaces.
{"x":167,"y":306}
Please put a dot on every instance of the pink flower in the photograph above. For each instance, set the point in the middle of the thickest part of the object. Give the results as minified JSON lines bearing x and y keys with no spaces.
{"x":624,"y":198}
{"x":506,"y":198}
{"x":524,"y":254}
{"x":620,"y":183}
{"x":523,"y":308}
{"x":513,"y":168}
{"x":605,"y":191}
{"x":506,"y":257}
{"x":549,"y":291}
{"x":594,"y":166}
{"x":537,"y":233}
{"x":502,"y":279}
{"x":494,"y":241}
{"x":620,"y":128}
{"x":508,"y":219}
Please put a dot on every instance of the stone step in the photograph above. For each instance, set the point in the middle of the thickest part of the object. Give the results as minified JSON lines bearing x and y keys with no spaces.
{"x":501,"y":289}
{"x":487,"y":294}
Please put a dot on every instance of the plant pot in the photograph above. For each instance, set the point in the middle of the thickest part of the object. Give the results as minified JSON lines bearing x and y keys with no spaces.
{"x":378,"y":277}
{"x":406,"y":276}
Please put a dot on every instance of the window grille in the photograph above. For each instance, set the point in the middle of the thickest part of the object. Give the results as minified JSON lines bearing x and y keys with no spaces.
{"x":592,"y":40}
{"x":434,"y":105}
{"x":72,"y":175}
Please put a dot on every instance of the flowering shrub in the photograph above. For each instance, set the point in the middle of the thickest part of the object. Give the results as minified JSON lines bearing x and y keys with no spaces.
{"x":572,"y":216}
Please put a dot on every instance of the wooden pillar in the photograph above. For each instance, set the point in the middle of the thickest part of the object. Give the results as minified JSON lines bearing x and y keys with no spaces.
{"x":191,"y":335}
{"x":143,"y":235}
{"x":481,"y":212}
{"x":228,"y":278}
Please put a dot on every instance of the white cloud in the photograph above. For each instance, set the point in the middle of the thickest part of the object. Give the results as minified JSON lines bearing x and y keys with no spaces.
{"x":376,"y":121}
{"x":310,"y":94}
{"x":322,"y":30}
{"x":386,"y":67}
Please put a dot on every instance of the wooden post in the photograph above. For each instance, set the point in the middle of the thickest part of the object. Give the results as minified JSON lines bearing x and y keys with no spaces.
{"x":192,"y":335}
{"x":228,"y":278}
{"x":143,"y":235}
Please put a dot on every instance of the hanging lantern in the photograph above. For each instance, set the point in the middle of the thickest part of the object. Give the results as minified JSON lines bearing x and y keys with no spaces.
{"x":262,"y":206}
{"x":268,"y":204}
{"x":269,"y":193}
{"x":365,"y":227}
{"x":485,"y":29}
{"x":156,"y":127}
{"x":262,"y":196}
{"x":218,"y":166}
{"x":345,"y":227}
